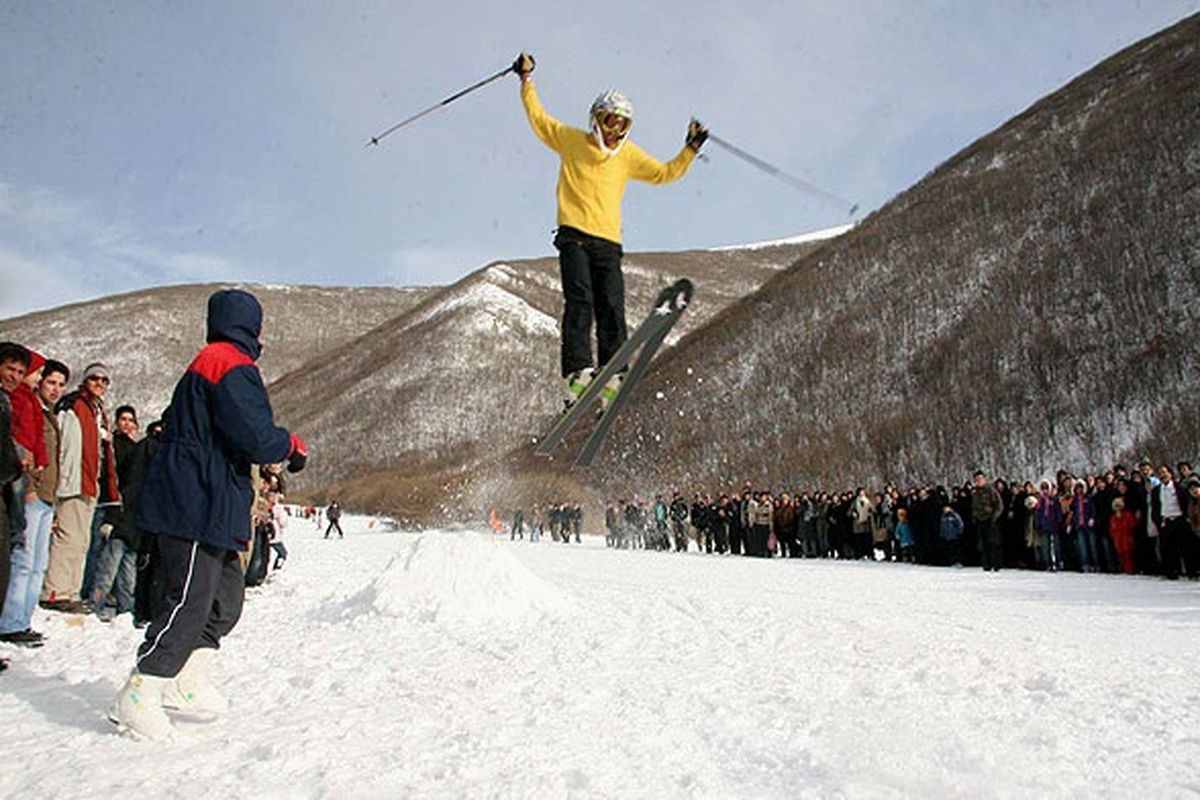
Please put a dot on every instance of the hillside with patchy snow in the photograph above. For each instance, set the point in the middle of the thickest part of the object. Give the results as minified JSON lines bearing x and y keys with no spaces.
{"x":148,"y":337}
{"x":473,"y":371}
{"x":1029,"y":305}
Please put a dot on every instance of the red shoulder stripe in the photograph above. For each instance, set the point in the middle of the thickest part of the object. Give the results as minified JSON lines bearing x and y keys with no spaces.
{"x":216,"y":360}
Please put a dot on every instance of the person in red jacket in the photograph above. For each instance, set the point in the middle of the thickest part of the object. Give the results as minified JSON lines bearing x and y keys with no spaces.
{"x":27,"y":415}
{"x":87,"y":478}
{"x":1121,"y":529}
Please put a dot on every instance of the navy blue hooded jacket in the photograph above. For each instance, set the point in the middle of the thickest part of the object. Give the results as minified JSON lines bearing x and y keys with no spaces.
{"x":198,"y":485}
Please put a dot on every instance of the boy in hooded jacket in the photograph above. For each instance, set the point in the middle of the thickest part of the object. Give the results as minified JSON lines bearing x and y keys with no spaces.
{"x":195,"y":499}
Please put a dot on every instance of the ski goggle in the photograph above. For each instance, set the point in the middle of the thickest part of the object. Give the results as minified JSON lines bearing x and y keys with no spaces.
{"x":613,"y":123}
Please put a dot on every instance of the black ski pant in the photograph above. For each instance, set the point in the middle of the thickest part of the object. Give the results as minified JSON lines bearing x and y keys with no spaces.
{"x":333,"y":523}
{"x":593,"y":288}
{"x":203,"y":601}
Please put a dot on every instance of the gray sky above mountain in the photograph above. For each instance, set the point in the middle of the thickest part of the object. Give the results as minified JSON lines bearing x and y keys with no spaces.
{"x":148,"y":143}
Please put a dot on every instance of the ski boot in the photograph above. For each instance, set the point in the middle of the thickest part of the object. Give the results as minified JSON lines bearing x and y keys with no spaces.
{"x":577,"y":384}
{"x":610,"y":391}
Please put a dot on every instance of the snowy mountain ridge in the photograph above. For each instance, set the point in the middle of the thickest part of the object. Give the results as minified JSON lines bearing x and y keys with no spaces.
{"x":803,"y":238}
{"x":472,"y":371}
{"x":1027,"y":306}
{"x":148,"y":337}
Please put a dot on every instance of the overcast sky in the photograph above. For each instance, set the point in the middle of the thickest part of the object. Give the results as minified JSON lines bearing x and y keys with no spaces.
{"x":152,"y":143}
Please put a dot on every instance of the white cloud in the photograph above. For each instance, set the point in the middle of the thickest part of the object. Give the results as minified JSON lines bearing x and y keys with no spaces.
{"x":56,"y":251}
{"x":427,"y":265}
{"x":30,"y":285}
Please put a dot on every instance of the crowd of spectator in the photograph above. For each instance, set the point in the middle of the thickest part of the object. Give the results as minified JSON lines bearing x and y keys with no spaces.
{"x":561,"y":520}
{"x":71,"y":472}
{"x":1142,"y":521}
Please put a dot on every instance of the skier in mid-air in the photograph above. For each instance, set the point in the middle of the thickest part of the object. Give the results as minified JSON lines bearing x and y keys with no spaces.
{"x":596,"y":166}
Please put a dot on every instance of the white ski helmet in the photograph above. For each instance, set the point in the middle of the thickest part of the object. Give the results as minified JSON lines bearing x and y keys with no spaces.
{"x":609,"y":104}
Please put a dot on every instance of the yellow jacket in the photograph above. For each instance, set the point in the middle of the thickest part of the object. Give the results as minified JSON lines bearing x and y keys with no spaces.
{"x":590,"y":183}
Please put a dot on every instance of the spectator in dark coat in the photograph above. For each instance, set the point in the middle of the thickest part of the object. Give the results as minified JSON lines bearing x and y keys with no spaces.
{"x":785,"y":526}
{"x":986,"y":509}
{"x":925,"y":517}
{"x":679,"y":519}
{"x":951,"y":531}
{"x":1049,"y":521}
{"x":149,"y":589}
{"x":1102,"y":496}
{"x":196,"y":499}
{"x":1137,"y":502}
{"x":10,"y":468}
{"x":116,"y":567}
{"x":1169,"y":512}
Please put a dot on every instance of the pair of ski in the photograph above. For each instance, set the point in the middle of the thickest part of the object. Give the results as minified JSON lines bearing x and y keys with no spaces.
{"x":645,"y":341}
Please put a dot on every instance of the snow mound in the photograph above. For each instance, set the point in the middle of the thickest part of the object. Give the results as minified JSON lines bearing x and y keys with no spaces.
{"x":459,"y":579}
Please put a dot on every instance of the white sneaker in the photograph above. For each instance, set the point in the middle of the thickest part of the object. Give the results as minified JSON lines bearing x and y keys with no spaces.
{"x":577,"y":384}
{"x":137,"y":709}
{"x":191,"y":693}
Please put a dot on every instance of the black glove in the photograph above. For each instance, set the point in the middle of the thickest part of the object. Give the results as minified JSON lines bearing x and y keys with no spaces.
{"x":523,"y":65}
{"x":298,"y":456}
{"x":697,"y":135}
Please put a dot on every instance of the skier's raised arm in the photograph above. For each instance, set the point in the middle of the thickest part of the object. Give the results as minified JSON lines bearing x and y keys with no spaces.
{"x":644,"y":167}
{"x":547,"y":128}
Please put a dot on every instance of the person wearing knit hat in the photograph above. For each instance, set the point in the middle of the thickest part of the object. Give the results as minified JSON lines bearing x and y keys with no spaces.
{"x":96,"y":370}
{"x":87,"y":478}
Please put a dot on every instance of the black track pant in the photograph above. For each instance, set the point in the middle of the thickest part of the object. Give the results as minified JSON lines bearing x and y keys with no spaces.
{"x":203,"y":601}
{"x":333,"y":523}
{"x":593,"y":287}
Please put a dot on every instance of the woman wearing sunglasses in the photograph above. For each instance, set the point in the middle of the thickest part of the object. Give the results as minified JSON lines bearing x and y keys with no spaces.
{"x":595,"y":167}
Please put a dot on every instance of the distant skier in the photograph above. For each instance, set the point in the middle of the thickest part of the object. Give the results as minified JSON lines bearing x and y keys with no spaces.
{"x":334,"y":515}
{"x":596,"y":165}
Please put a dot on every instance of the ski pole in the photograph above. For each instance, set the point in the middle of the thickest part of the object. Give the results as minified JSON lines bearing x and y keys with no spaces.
{"x":791,"y":180}
{"x":374,"y":140}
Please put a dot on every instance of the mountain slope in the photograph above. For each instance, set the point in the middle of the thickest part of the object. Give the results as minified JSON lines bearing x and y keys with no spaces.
{"x":148,"y":337}
{"x":1030,"y":304}
{"x":473,"y":370}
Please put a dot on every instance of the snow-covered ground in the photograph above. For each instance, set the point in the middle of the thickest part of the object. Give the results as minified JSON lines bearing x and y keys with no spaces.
{"x":451,"y":665}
